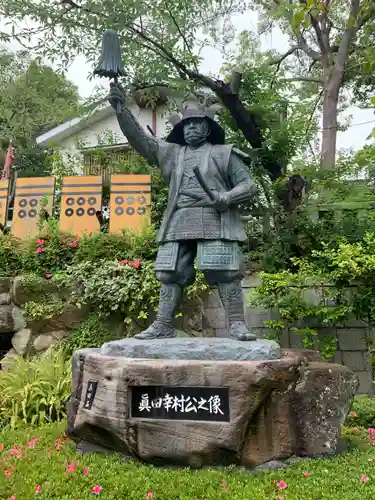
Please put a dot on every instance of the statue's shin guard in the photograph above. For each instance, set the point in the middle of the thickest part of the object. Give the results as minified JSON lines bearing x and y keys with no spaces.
{"x":170,"y":300}
{"x":232,"y":298}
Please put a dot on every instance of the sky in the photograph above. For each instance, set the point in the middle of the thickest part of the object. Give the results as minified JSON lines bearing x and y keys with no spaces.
{"x":354,"y":138}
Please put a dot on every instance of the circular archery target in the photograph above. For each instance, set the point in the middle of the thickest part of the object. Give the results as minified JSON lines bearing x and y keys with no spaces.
{"x":81,"y":201}
{"x":119,"y":200}
{"x":130,"y":211}
{"x":142,"y":200}
{"x":32,"y":213}
{"x":70,"y":202}
{"x":33,"y":202}
{"x":91,"y":200}
{"x":91,"y":211}
{"x":130,"y":200}
{"x":80,"y":212}
{"x":119,"y":211}
{"x":141,"y":210}
{"x":69,"y":212}
{"x":22,"y":203}
{"x":22,"y":214}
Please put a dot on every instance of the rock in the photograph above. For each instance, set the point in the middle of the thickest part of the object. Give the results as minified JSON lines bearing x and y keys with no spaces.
{"x":217,"y":438}
{"x":5,"y":284}
{"x":6,"y":319}
{"x":9,"y":356}
{"x":43,"y":342}
{"x":321,"y":402}
{"x":272,"y":465}
{"x":19,"y":322}
{"x":309,"y":354}
{"x":21,"y":341}
{"x":4,"y":299}
{"x":71,"y":317}
{"x":270,"y":410}
{"x":20,"y":295}
{"x":193,"y":349}
{"x":59,"y":335}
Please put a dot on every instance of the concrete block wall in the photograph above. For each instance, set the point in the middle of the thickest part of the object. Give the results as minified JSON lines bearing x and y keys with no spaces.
{"x":351,"y":345}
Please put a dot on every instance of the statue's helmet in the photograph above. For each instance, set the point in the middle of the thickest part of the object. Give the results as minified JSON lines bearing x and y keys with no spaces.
{"x":196,"y":110}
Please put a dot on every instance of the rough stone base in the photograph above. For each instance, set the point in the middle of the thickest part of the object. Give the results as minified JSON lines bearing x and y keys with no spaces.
{"x":278,"y":409}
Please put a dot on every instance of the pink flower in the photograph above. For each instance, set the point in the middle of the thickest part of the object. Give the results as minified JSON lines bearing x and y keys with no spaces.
{"x":282,"y":485}
{"x":149,"y":495}
{"x":7,"y":473}
{"x":37,"y":489}
{"x":40,"y":250}
{"x":40,"y":242}
{"x":225,"y":486}
{"x":86,"y":471}
{"x":123,"y":262}
{"x":13,"y":497}
{"x":48,"y":276}
{"x":16,"y":452}
{"x":136,"y":264}
{"x":97,"y":489}
{"x":353,"y":414}
{"x":71,"y":468}
{"x":73,"y":244}
{"x":32,"y":443}
{"x":364,"y":479}
{"x":281,"y":498}
{"x":306,"y":474}
{"x":371,"y":430}
{"x":58,"y":447}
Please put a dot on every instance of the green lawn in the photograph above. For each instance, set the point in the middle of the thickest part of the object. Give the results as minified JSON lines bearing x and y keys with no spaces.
{"x":35,"y":468}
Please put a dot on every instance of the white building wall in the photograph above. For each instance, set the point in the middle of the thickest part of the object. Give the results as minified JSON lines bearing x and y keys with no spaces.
{"x":109,"y":124}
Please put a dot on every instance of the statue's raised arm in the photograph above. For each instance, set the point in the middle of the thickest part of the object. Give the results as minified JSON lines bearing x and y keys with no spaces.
{"x":145,"y":144}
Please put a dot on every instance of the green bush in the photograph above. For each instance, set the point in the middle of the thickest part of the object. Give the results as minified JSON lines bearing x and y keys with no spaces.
{"x":362,"y":413}
{"x":92,"y":333}
{"x":11,"y":258}
{"x":127,"y":287}
{"x":34,"y":391}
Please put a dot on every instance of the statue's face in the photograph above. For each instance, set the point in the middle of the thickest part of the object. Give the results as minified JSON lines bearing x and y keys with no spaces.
{"x":196,"y":131}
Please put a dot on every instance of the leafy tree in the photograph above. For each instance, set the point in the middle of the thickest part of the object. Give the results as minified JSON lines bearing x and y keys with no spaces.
{"x":326,"y":38}
{"x":33,"y":97}
{"x":161,"y":42}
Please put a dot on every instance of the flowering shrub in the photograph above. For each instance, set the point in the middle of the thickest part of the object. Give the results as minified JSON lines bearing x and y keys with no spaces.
{"x":127,"y":286}
{"x":362,"y":413}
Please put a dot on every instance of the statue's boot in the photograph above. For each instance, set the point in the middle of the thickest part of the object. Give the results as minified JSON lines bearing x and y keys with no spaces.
{"x":162,"y":327}
{"x":232,"y":298}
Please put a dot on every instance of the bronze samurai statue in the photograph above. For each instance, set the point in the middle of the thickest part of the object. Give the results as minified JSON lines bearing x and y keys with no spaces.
{"x":207,"y":179}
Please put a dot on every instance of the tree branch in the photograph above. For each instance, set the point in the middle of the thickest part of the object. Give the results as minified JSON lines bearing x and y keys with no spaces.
{"x":277,"y":62}
{"x":304,"y":46}
{"x":302,"y":78}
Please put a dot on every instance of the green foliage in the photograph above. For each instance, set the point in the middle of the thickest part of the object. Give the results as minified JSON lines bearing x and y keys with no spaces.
{"x":94,"y":332}
{"x":33,"y":97}
{"x":362,"y":413}
{"x":34,"y":391}
{"x":11,"y":262}
{"x":38,"y":310}
{"x":335,"y":478}
{"x":127,"y":287}
{"x":335,"y":284}
{"x":123,"y":246}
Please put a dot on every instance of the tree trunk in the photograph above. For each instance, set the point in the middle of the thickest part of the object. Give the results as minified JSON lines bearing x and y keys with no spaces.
{"x":329,"y":134}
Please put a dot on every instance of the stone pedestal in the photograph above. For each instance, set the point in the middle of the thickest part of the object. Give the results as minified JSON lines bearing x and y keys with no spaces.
{"x":221,"y":407}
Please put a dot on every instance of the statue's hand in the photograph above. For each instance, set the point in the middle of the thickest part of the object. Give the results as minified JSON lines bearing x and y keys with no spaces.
{"x":222,"y":201}
{"x":116,"y":97}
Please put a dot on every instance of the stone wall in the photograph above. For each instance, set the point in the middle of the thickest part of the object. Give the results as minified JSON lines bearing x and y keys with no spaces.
{"x":201,"y":317}
{"x":351,"y":337}
{"x":21,"y":337}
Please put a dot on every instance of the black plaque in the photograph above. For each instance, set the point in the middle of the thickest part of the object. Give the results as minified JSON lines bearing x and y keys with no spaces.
{"x":209,"y":404}
{"x":92,"y":385}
